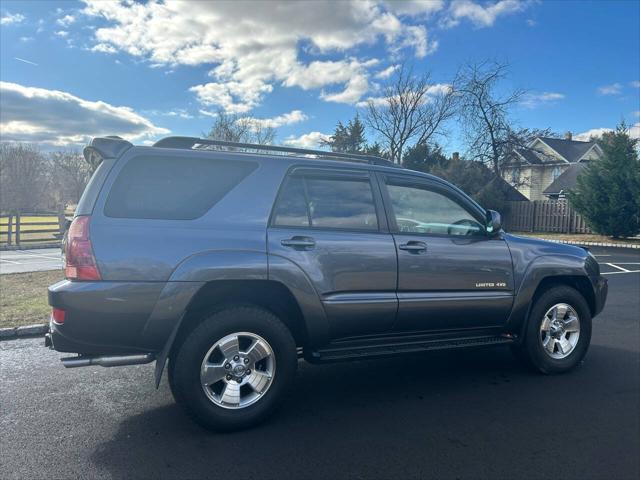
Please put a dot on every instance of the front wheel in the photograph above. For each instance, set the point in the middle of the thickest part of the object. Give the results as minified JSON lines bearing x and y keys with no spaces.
{"x":233,"y":369}
{"x":558,"y":331}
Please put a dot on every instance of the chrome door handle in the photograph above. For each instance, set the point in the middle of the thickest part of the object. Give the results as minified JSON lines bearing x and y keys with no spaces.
{"x":413,"y":247}
{"x":299,"y":242}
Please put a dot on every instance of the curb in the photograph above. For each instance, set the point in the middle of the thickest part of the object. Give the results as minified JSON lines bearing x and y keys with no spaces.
{"x":23,"y":332}
{"x":10,"y":248}
{"x":591,"y":244}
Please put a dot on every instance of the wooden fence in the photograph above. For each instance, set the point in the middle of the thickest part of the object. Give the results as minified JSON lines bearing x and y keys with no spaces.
{"x":544,"y":216}
{"x":28,"y":229}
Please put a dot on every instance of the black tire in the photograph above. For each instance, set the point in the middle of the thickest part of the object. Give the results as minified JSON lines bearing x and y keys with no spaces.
{"x":184,"y":367}
{"x":531,"y":350}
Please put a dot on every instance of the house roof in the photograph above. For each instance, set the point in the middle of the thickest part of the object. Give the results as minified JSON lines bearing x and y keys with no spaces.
{"x":510,"y":192}
{"x":530,"y":156}
{"x":571,"y":150}
{"x":565,"y":181}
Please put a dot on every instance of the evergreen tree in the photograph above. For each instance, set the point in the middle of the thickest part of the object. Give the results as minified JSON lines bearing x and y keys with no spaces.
{"x":424,"y":158}
{"x":349,"y":139}
{"x":608,"y":190}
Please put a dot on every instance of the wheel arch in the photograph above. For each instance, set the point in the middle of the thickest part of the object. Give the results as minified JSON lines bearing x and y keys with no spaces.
{"x":544,"y":273}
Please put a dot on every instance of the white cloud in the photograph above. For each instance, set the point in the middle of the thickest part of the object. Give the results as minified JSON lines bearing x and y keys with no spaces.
{"x":61,"y":33}
{"x":66,"y":20}
{"x":484,"y":15}
{"x":104,"y":48}
{"x":308,"y":140}
{"x":613,"y":89}
{"x":58,"y":118}
{"x":533,"y":100}
{"x":8,"y":18}
{"x":253,"y":47}
{"x":414,"y":7}
{"x":634,"y":132}
{"x":636,"y":113}
{"x":294,"y":116}
{"x":635,"y":84}
{"x":387,"y":72}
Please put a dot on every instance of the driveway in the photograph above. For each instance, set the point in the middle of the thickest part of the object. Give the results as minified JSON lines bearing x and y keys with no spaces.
{"x":462,"y":414}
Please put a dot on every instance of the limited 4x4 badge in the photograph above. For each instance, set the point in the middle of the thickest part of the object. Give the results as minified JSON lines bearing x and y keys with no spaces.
{"x":491,"y":285}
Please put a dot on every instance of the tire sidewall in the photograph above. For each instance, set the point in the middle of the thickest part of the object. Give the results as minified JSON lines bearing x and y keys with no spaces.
{"x":533,"y":346}
{"x":187,"y":365}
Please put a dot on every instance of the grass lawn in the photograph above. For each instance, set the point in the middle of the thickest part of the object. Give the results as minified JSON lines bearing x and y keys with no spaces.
{"x":580,"y":237}
{"x":23,"y":297}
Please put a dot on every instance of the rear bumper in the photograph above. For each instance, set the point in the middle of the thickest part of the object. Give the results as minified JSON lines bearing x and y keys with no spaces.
{"x":102,"y":318}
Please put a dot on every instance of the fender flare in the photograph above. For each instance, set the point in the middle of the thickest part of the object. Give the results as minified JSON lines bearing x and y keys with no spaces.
{"x":197,"y":270}
{"x":539,"y":269}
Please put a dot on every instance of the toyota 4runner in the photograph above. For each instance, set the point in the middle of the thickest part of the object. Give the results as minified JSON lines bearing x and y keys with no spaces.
{"x":231,"y":261}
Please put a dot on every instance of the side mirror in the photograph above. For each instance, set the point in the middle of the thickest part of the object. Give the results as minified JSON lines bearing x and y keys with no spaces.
{"x":493,"y":222}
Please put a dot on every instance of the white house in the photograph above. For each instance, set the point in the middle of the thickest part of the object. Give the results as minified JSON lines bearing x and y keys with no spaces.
{"x":548,"y":167}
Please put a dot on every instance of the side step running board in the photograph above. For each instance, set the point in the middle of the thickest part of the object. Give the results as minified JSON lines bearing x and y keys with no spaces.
{"x":110,"y":361}
{"x":393,"y":346}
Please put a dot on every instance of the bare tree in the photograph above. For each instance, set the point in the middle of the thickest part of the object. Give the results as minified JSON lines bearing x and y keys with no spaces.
{"x":492,"y":135}
{"x":23,"y":176}
{"x":411,"y":111}
{"x":235,"y":128}
{"x":70,"y":174}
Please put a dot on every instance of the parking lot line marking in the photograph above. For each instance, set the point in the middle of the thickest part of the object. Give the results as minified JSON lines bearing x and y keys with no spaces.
{"x":9,"y":261}
{"x":616,"y":266}
{"x":615,"y":273}
{"x":40,"y":255}
{"x":602,"y":255}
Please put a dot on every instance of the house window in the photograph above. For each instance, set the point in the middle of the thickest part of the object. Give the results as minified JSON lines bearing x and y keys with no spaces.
{"x":515,"y":176}
{"x":556,"y":172}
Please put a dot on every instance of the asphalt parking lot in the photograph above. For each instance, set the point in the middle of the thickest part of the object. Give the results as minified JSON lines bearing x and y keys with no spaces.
{"x":34,"y":260}
{"x":462,"y":414}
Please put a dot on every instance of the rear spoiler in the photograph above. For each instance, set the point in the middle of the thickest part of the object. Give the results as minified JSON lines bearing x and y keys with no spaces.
{"x":105,"y":147}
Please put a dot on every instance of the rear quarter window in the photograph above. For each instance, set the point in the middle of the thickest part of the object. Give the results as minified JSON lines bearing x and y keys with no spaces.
{"x":173,"y":188}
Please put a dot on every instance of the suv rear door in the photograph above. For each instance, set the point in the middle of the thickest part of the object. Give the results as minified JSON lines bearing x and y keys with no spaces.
{"x":330,"y":223}
{"x":451,"y":274}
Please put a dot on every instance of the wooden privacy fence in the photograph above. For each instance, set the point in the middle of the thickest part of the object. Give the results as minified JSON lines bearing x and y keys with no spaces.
{"x":26,"y":229}
{"x":544,"y":216}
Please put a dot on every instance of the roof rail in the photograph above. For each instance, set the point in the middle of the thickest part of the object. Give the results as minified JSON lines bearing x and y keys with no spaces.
{"x":193,"y":143}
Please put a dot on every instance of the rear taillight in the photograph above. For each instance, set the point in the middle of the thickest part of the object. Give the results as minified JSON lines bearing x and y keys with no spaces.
{"x":58,"y":315}
{"x":80,"y":264}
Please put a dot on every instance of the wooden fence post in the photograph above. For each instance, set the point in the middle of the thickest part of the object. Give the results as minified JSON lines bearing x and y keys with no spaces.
{"x":9,"y":227}
{"x":18,"y":229}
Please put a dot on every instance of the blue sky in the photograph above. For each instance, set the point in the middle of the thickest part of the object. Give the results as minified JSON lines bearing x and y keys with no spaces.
{"x":72,"y":70}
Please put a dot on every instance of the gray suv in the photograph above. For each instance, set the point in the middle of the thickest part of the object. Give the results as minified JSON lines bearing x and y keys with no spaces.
{"x":232,"y":261}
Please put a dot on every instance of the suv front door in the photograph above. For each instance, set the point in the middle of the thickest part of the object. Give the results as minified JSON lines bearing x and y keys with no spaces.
{"x":332,"y":226}
{"x":451,"y":273}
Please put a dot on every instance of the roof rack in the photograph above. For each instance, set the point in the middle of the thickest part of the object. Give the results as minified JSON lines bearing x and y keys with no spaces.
{"x":193,"y":143}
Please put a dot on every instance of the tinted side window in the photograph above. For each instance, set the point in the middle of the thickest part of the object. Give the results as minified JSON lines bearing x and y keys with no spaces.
{"x":328,"y":203}
{"x":173,"y":188}
{"x":292,"y":205}
{"x":418,"y":210}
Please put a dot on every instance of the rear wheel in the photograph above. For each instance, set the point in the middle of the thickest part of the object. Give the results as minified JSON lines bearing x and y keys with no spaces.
{"x":558,"y":331}
{"x":233,"y":369}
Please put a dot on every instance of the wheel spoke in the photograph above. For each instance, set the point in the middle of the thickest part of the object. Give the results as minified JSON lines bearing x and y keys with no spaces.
{"x":549,"y":344}
{"x":561,"y":311}
{"x":231,"y":394}
{"x":212,"y":373}
{"x":257,"y":351}
{"x":564,"y":346}
{"x":230,"y":347}
{"x":571,"y":325}
{"x":258,"y":380}
{"x":546,"y":324}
